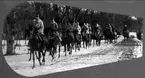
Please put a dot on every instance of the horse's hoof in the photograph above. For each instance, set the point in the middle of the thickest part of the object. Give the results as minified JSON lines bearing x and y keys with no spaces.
{"x":29,"y":59}
{"x":43,"y":60}
{"x":70,"y":53}
{"x":40,"y":64}
{"x":33,"y":67}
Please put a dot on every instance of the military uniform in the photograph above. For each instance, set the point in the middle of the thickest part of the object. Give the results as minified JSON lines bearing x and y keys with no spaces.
{"x":87,"y":28}
{"x":77,"y":27}
{"x":39,"y":25}
{"x":125,"y":28}
{"x":39,"y":28}
{"x":97,"y":28}
{"x":54,"y":28}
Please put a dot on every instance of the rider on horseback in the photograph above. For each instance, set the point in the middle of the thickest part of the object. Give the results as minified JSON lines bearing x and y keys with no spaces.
{"x":126,"y":32}
{"x":97,"y":27}
{"x":39,"y":28}
{"x":125,"y":28}
{"x":54,"y":29}
{"x":110,"y":27}
{"x":77,"y":27}
{"x":87,"y":27}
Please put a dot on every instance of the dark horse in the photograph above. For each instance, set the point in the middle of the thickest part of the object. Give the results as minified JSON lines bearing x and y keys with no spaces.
{"x":109,"y":34}
{"x":77,"y":40}
{"x":97,"y":35}
{"x":67,"y":38}
{"x":139,"y":35}
{"x":86,"y":38}
{"x":36,"y":46}
{"x":52,"y":43}
{"x":126,"y":34}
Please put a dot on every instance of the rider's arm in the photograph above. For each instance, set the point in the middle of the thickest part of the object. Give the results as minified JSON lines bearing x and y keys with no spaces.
{"x":42,"y":25}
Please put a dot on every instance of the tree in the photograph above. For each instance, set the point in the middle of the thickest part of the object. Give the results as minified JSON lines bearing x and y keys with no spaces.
{"x":18,"y":15}
{"x":10,"y":37}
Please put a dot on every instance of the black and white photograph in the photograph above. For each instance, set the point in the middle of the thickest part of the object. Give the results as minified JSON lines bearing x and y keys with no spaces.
{"x":46,"y":37}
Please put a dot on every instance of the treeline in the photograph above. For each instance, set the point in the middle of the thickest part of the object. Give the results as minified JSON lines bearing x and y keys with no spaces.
{"x":20,"y":17}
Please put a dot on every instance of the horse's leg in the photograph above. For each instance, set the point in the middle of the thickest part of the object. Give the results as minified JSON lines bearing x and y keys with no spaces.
{"x":83,"y":44}
{"x":86,"y":44}
{"x":39,"y":57}
{"x":53,"y":52}
{"x":70,"y":49}
{"x":79,"y":46}
{"x":75,"y":47}
{"x":111,"y":41}
{"x":116,"y":40}
{"x":59,"y":50}
{"x":50,"y":53}
{"x":33,"y":59}
{"x":19,"y":44}
{"x":44,"y":56}
{"x":30,"y":55}
{"x":65,"y":47}
{"x":96,"y":42}
{"x":25,"y":41}
{"x":36,"y":54}
{"x":93,"y":43}
{"x":107,"y":41}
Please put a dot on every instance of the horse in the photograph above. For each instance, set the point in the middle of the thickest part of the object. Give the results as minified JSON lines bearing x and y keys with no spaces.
{"x":97,"y":35}
{"x":86,"y":38}
{"x":52,"y":43}
{"x":36,"y":46}
{"x":126,"y":34}
{"x":139,"y":35}
{"x":77,"y":40}
{"x":108,"y":34}
{"x":67,"y":38}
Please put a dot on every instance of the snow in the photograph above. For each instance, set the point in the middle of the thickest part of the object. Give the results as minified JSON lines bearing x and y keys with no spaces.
{"x":98,"y":55}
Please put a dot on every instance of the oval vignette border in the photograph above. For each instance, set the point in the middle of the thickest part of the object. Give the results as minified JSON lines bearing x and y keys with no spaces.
{"x":6,"y":71}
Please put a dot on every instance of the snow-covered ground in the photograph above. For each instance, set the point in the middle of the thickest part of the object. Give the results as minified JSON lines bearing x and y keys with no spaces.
{"x":98,"y":55}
